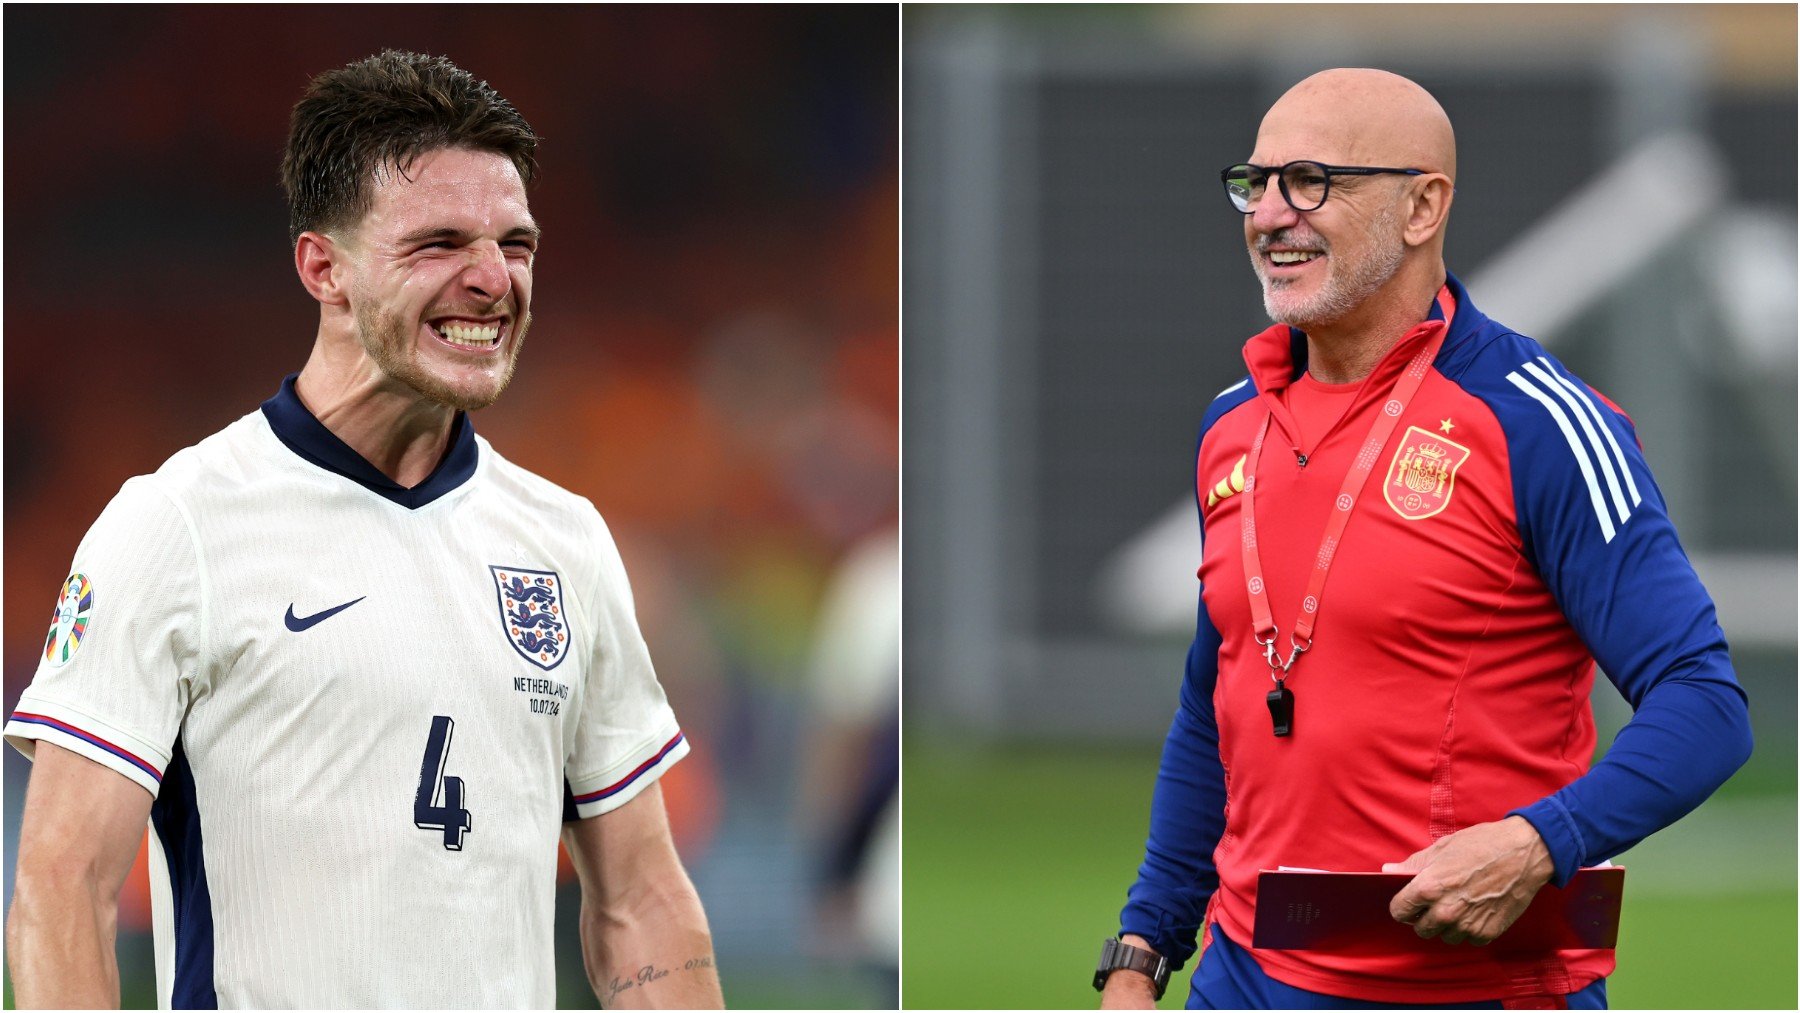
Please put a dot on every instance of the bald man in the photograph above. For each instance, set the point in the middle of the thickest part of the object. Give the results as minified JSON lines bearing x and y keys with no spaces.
{"x":1421,"y":534}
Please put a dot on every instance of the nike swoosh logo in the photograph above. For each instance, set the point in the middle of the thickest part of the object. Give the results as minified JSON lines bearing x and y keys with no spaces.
{"x":300,"y":624}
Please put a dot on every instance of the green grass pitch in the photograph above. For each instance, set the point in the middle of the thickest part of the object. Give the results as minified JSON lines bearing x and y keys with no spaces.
{"x":1016,"y":864}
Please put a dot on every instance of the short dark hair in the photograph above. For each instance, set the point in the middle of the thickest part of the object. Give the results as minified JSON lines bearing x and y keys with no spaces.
{"x":383,"y":113}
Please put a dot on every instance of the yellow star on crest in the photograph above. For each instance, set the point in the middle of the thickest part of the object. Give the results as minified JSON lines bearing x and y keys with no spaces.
{"x":1446,"y":425}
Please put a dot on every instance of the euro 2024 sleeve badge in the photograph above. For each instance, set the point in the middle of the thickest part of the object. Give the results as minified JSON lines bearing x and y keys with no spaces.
{"x":74,"y":610}
{"x":1422,"y":475}
{"x":531,"y":613}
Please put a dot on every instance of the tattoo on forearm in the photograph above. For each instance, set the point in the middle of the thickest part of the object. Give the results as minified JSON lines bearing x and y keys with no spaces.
{"x":650,"y":973}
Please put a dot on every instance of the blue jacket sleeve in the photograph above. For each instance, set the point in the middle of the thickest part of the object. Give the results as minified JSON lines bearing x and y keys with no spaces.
{"x":1187,"y":815}
{"x":1594,"y":524}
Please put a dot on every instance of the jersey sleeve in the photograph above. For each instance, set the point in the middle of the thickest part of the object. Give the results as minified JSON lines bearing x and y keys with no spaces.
{"x":1593,"y":523}
{"x":627,"y":735}
{"x":124,"y":641}
{"x":1187,"y":809}
{"x":1187,"y":815}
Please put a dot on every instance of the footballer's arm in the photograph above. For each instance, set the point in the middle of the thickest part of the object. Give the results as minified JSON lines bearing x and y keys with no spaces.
{"x":643,"y":933}
{"x":82,"y":827}
{"x":1126,"y":988}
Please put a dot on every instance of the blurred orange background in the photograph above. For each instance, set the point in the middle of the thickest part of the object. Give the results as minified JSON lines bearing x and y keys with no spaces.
{"x":713,"y":362}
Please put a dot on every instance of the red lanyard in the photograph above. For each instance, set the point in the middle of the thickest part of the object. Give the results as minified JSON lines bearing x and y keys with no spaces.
{"x":1263,"y":618}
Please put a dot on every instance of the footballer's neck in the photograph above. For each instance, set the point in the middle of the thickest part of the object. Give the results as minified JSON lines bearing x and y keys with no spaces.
{"x":1348,"y":349}
{"x":401,"y":434}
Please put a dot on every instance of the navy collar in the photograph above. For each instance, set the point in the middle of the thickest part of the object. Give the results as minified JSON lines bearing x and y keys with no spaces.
{"x":1468,"y":318}
{"x":301,"y":432}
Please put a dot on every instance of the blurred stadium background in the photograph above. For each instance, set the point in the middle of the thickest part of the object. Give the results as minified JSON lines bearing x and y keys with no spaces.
{"x":714,"y":364}
{"x":1076,"y":292}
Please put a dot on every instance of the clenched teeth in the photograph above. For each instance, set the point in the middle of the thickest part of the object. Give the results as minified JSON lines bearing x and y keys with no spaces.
{"x":472,"y":335}
{"x":1291,"y":256}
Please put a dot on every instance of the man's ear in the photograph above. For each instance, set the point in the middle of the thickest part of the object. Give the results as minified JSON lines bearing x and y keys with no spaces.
{"x":1430,"y":206}
{"x":320,"y":262}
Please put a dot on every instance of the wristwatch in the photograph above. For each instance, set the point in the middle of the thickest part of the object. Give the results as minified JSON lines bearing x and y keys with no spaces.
{"x":1116,"y":954}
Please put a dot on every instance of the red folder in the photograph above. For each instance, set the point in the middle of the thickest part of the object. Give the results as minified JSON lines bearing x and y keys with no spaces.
{"x":1348,"y":911}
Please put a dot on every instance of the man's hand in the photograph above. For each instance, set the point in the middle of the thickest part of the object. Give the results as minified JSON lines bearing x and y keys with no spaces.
{"x":1129,"y":989}
{"x":1474,"y":883}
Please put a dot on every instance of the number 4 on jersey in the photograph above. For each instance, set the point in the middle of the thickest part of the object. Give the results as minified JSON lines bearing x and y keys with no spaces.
{"x":438,"y":804}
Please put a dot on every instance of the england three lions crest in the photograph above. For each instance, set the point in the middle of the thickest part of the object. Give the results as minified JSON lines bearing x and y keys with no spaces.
{"x":532,"y":613}
{"x":1423,"y":474}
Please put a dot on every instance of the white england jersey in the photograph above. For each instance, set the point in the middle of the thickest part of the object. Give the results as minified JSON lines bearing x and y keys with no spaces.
{"x":363,"y":711}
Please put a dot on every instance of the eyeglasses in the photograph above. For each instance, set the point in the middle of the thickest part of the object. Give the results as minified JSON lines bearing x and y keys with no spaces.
{"x":1304,"y":184}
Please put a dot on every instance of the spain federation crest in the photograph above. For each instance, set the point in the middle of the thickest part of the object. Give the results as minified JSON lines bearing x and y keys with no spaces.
{"x":531,"y":613}
{"x":1422,"y":475}
{"x":69,"y":623}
